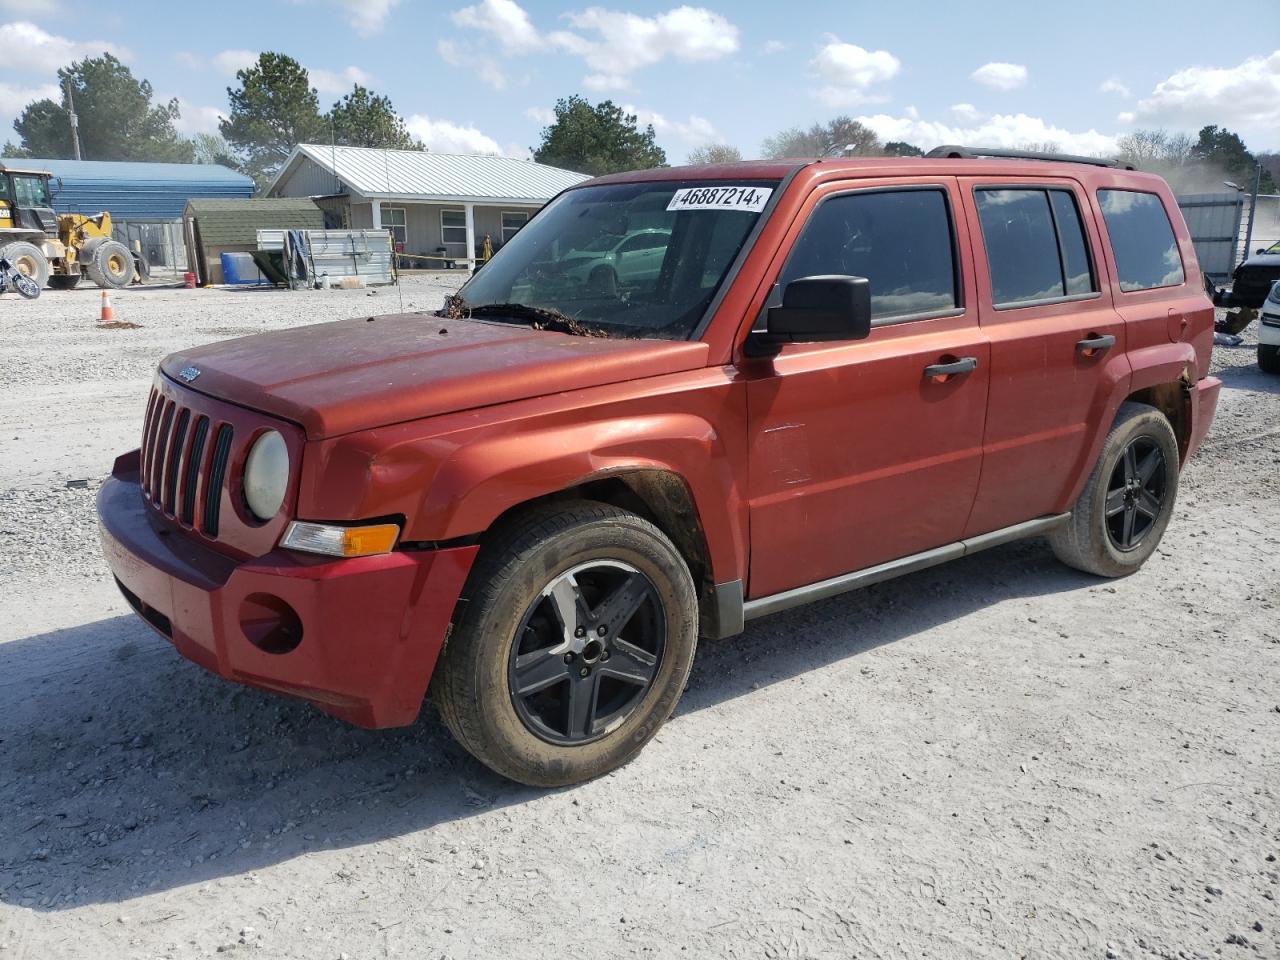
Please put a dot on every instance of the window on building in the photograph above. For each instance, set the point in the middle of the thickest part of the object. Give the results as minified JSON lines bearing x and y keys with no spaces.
{"x":1035,"y":245}
{"x":1141,"y":239}
{"x":394,"y":220}
{"x":453,"y":227}
{"x":901,"y":241}
{"x":512,"y":221}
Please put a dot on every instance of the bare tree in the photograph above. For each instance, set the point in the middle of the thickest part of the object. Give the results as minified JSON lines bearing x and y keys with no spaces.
{"x":833,"y":138}
{"x":714,"y":153}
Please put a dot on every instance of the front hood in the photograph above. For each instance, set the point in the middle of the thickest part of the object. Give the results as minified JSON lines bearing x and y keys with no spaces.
{"x":336,"y":378}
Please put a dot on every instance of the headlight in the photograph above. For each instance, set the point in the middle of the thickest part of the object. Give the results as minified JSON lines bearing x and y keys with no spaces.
{"x":266,"y":475}
{"x":1274,"y":295}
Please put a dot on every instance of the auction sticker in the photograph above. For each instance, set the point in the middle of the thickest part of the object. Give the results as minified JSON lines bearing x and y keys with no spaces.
{"x":721,"y":198}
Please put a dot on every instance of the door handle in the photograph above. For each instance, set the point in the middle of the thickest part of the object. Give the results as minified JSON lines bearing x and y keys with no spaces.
{"x":1095,"y":344}
{"x":938,"y":371}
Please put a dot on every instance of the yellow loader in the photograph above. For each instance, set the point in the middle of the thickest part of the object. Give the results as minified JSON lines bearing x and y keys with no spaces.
{"x":58,"y":249}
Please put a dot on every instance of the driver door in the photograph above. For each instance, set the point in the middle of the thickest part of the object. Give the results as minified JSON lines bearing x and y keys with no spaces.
{"x":858,"y":455}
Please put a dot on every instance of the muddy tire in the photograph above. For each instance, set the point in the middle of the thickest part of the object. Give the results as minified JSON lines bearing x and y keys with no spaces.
{"x":1128,"y":500}
{"x":63,"y":281}
{"x":28,"y":259}
{"x":1269,"y":357}
{"x":575,"y":641}
{"x":111,"y":265}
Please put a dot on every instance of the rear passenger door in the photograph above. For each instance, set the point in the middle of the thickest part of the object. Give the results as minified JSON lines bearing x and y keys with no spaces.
{"x":1057,"y":344}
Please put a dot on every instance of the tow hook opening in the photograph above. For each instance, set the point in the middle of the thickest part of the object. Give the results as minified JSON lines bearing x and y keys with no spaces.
{"x":270,"y":624}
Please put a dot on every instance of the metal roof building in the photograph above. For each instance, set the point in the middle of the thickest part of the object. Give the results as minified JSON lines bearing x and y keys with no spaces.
{"x":137,"y":192}
{"x":437,"y":206}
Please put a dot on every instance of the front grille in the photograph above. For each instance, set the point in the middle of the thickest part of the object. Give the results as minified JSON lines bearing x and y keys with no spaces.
{"x":180,"y":467}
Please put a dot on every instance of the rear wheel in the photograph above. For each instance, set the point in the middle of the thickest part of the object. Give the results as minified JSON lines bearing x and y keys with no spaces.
{"x":1269,"y":357}
{"x":111,"y":265}
{"x":28,"y":259}
{"x":1126,"y":503}
{"x":575,"y":643}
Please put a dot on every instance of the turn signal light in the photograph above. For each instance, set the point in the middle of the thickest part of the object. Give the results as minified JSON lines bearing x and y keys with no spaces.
{"x":335,"y":541}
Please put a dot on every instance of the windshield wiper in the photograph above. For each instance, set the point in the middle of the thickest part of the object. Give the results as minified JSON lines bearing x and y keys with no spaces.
{"x":541,"y":318}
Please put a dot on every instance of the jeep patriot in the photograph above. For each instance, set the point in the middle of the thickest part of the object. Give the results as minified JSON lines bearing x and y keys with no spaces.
{"x":530,"y":505}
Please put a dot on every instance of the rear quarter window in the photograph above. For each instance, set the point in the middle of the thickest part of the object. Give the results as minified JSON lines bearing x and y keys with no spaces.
{"x":1142,"y":240}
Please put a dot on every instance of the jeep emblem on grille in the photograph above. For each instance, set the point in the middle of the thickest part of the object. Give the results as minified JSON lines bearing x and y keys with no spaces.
{"x":189,"y":373}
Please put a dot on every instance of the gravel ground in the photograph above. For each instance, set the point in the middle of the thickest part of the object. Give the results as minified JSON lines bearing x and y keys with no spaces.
{"x":996,"y":758}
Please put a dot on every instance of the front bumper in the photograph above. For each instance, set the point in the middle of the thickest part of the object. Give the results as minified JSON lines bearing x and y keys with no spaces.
{"x":1269,"y":324}
{"x":1204,"y":403}
{"x":363,"y":634}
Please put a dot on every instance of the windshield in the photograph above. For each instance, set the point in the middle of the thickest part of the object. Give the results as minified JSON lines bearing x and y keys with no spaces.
{"x":632,"y":259}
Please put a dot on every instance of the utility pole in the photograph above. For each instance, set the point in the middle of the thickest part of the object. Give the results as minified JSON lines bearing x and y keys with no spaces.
{"x":1253,"y":210}
{"x":71,"y":115}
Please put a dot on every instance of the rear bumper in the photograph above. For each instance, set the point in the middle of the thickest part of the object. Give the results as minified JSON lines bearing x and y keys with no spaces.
{"x":1204,"y":403}
{"x":362,"y":635}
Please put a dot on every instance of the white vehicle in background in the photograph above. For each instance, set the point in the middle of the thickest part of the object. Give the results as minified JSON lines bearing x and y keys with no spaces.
{"x":1269,"y":331}
{"x":630,"y":261}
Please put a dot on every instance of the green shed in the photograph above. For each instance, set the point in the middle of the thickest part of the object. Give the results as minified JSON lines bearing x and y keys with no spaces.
{"x":215,"y":227}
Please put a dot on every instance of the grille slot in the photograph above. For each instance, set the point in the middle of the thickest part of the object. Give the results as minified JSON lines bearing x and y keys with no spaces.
{"x":161,"y":445}
{"x":217,"y":473}
{"x":194,"y":461}
{"x":176,"y":451}
{"x":149,"y":436}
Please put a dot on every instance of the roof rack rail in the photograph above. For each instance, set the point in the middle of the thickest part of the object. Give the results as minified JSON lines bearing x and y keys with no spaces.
{"x":953,"y":152}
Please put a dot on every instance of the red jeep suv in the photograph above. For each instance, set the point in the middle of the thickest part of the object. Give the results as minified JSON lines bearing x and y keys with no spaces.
{"x":530,"y":505}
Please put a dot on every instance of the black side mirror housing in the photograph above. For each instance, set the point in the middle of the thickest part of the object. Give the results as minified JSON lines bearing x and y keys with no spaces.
{"x":817,"y":309}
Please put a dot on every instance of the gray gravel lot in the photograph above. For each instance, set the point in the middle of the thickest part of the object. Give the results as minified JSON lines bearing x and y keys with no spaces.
{"x":997,"y":758}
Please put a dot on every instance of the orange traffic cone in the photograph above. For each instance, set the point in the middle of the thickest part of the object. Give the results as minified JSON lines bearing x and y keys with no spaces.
{"x":108,"y":315}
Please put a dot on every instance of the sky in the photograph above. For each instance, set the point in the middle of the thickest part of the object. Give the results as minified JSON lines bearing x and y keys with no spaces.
{"x":483,"y":76}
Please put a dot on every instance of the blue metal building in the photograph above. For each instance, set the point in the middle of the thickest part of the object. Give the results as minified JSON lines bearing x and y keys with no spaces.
{"x":138,"y":192}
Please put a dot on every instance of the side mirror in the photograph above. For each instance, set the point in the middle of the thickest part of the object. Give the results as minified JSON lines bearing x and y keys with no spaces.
{"x":1260,"y":250}
{"x":817,"y":309}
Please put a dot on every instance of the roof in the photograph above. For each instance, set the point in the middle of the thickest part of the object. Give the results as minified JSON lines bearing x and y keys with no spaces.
{"x":228,"y":222}
{"x":421,"y":175}
{"x":135,"y":190}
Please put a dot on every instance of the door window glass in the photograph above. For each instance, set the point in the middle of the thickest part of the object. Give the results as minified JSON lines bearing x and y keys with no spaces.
{"x":1075,"y":251}
{"x":900,"y":240}
{"x":30,"y":191}
{"x":1141,"y":239}
{"x":1022,"y":248}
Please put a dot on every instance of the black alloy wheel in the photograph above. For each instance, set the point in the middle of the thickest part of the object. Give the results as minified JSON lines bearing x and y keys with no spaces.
{"x":586,"y":652}
{"x":1135,"y":493}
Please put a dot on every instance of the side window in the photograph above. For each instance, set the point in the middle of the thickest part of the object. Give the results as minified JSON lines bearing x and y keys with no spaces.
{"x":900,"y":240}
{"x":1076,"y":271}
{"x":645,"y":241}
{"x":393,"y":219}
{"x":1035,"y":245}
{"x":453,"y":227}
{"x":1142,"y":240}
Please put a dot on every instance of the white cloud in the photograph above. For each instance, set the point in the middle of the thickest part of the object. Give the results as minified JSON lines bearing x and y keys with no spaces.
{"x":846,"y":72}
{"x":1112,"y":85}
{"x":197,"y":119}
{"x":1125,"y":117}
{"x":327,"y":81}
{"x":1245,"y":98}
{"x":368,"y":17}
{"x":231,"y":61}
{"x":612,"y":43}
{"x":1000,"y":76}
{"x":444,"y":136}
{"x":966,"y":112}
{"x":27,"y":47}
{"x":506,"y":20}
{"x":31,"y":8}
{"x":1009,"y":131}
{"x":696,"y":131}
{"x":485,"y":68}
{"x":543,"y":115}
{"x":15,"y":97}
{"x":773,"y":46}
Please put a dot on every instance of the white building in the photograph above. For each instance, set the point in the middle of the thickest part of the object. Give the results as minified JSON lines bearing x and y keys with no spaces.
{"x":435,"y":205}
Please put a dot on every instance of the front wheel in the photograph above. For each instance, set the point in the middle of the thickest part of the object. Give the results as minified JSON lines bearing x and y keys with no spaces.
{"x":1269,"y":357}
{"x":1126,"y":503}
{"x":575,"y":643}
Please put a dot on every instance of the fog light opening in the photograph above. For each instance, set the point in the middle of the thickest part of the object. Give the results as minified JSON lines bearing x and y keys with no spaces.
{"x":270,"y":624}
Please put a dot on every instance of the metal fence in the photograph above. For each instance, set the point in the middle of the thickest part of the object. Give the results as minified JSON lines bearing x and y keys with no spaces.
{"x":1266,"y":225}
{"x":342,"y":253}
{"x":160,"y":244}
{"x":1214,"y":221}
